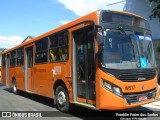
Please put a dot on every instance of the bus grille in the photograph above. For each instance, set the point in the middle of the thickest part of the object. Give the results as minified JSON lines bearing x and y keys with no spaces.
{"x":137,"y":75}
{"x":134,"y":98}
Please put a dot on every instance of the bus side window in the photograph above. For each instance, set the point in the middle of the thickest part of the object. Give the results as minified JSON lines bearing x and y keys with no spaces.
{"x":20,"y":56}
{"x":41,"y":55}
{"x":60,"y":54}
{"x":65,"y":53}
{"x":13,"y":58}
{"x":58,"y":47}
{"x":52,"y":55}
{"x":3,"y":61}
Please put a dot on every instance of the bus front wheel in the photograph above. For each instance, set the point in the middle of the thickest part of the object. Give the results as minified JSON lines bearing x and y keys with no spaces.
{"x":14,"y":87}
{"x":62,"y":99}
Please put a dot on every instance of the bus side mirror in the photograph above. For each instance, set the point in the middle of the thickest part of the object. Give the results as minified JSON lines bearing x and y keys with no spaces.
{"x":100,"y":40}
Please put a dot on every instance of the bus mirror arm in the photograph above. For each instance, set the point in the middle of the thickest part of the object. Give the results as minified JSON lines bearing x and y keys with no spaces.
{"x":99,"y":27}
{"x":100,"y":50}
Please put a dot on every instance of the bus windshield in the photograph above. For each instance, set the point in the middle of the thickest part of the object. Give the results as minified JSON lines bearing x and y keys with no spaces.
{"x":127,"y":50}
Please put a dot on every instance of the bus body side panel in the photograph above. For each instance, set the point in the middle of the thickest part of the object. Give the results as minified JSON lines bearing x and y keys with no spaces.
{"x":68,"y":68}
{"x":3,"y":78}
{"x":20,"y":78}
{"x":44,"y":78}
{"x":58,"y":72}
{"x":42,"y":84}
{"x":100,"y":90}
{"x":12,"y":73}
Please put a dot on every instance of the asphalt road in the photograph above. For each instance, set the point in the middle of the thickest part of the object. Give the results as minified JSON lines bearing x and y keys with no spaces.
{"x":30,"y":102}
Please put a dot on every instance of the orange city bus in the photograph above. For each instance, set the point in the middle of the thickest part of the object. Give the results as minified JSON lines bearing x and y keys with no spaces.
{"x":103,"y":60}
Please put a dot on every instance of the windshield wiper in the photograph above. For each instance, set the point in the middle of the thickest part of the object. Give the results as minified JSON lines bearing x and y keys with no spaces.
{"x":122,"y":30}
{"x":127,"y":37}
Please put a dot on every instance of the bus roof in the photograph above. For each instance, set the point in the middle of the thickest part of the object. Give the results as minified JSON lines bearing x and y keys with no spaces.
{"x":125,"y":12}
{"x":91,"y":16}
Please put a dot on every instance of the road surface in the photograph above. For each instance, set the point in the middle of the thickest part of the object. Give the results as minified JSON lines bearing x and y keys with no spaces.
{"x":30,"y":102}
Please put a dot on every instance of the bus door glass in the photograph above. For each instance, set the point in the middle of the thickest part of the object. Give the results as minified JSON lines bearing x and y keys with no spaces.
{"x":7,"y":69}
{"x":84,"y":40}
{"x":28,"y":69}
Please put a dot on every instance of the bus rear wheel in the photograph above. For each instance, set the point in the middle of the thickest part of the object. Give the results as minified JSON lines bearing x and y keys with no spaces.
{"x":62,"y":99}
{"x":14,"y":87}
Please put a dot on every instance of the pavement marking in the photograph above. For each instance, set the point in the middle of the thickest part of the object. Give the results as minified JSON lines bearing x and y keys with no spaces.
{"x":155,"y":105}
{"x":151,"y":106}
{"x":66,"y":118}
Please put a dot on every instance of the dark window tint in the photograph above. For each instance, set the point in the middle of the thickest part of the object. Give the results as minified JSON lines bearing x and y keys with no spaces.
{"x":53,"y":41}
{"x":13,"y":57}
{"x":20,"y":56}
{"x":38,"y":46}
{"x":3,"y":61}
{"x":41,"y":55}
{"x":30,"y":57}
{"x":59,"y":47}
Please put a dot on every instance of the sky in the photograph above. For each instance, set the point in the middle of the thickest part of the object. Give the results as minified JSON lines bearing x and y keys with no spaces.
{"x":22,"y":18}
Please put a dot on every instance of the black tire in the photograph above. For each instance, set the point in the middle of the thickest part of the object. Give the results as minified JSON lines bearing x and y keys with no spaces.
{"x":14,"y":87}
{"x":62,"y":99}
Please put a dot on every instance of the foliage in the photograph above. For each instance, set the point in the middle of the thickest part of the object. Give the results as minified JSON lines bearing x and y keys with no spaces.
{"x":156,"y":10}
{"x":158,"y":48}
{"x":1,"y":50}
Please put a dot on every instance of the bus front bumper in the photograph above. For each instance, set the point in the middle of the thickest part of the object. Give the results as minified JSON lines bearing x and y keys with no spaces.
{"x":110,"y":101}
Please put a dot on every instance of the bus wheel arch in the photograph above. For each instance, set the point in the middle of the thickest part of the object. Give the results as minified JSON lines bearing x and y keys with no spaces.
{"x":57,"y":83}
{"x":61,"y":96}
{"x":14,"y":85}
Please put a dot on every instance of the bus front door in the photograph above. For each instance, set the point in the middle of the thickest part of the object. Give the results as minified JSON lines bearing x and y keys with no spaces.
{"x":7,"y":69}
{"x":28,"y":69}
{"x":84,"y":65}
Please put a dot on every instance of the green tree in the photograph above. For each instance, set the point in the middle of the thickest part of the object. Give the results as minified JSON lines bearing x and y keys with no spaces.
{"x":156,"y":10}
{"x":1,"y":50}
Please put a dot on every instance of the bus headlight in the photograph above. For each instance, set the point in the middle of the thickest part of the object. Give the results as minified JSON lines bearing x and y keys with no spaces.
{"x":157,"y":89}
{"x":117,"y":90}
{"x":157,"y":86}
{"x":112,"y":88}
{"x":107,"y":85}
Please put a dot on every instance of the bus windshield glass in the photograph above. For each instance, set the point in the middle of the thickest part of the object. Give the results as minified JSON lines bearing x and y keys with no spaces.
{"x":127,"y":50}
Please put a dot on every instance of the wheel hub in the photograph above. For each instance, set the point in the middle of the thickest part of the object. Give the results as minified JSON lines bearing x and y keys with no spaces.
{"x":61,"y":98}
{"x":14,"y":88}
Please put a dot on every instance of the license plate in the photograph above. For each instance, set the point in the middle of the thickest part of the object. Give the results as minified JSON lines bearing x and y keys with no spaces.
{"x":143,"y":98}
